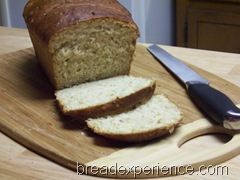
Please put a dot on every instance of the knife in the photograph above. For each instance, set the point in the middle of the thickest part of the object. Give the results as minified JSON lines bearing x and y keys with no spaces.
{"x":214,"y":103}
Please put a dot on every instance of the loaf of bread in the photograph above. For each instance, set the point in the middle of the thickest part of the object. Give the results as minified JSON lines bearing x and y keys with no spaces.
{"x":104,"y":97}
{"x":155,"y":118}
{"x":79,"y":41}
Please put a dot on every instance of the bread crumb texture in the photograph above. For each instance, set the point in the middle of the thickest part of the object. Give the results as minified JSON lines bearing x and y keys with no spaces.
{"x":159,"y":112}
{"x":92,"y":50}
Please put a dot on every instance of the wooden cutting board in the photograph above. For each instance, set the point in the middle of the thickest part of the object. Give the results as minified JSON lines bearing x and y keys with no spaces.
{"x":29,"y":115}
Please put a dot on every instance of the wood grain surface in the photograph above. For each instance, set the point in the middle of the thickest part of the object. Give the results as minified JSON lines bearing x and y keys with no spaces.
{"x":30,"y":116}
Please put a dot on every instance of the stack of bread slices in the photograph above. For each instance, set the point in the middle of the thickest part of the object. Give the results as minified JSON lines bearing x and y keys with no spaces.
{"x":123,"y":108}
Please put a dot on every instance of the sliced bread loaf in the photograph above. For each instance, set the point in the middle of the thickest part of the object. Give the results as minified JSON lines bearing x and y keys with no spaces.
{"x":156,"y":117}
{"x":104,"y":97}
{"x":82,"y":40}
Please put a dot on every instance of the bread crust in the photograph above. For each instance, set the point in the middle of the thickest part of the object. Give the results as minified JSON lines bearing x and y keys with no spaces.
{"x":116,"y":106}
{"x":62,"y":14}
{"x":139,"y":136}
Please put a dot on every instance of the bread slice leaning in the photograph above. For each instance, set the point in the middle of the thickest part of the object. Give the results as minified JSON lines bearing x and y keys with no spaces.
{"x":104,"y":97}
{"x":157,"y":117}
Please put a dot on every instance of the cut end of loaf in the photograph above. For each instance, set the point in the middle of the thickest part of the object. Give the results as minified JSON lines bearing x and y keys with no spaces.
{"x":155,"y":118}
{"x":92,"y":50}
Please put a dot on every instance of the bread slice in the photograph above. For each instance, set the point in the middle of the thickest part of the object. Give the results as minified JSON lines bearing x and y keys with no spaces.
{"x":104,"y":97}
{"x":156,"y":117}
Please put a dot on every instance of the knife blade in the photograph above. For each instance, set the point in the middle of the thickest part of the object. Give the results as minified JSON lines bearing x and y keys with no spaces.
{"x":214,"y":103}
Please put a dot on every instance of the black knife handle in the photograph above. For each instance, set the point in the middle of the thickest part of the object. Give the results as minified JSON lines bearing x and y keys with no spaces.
{"x":214,"y":103}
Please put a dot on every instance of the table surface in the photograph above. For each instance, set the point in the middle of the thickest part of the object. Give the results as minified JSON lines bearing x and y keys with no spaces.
{"x":17,"y":162}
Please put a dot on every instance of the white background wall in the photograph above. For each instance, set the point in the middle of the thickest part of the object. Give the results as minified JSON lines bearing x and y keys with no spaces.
{"x":11,"y":13}
{"x":155,"y":18}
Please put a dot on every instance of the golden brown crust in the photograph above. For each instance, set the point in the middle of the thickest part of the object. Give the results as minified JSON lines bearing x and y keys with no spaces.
{"x":139,"y":136}
{"x":117,"y":106}
{"x":61,"y":14}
